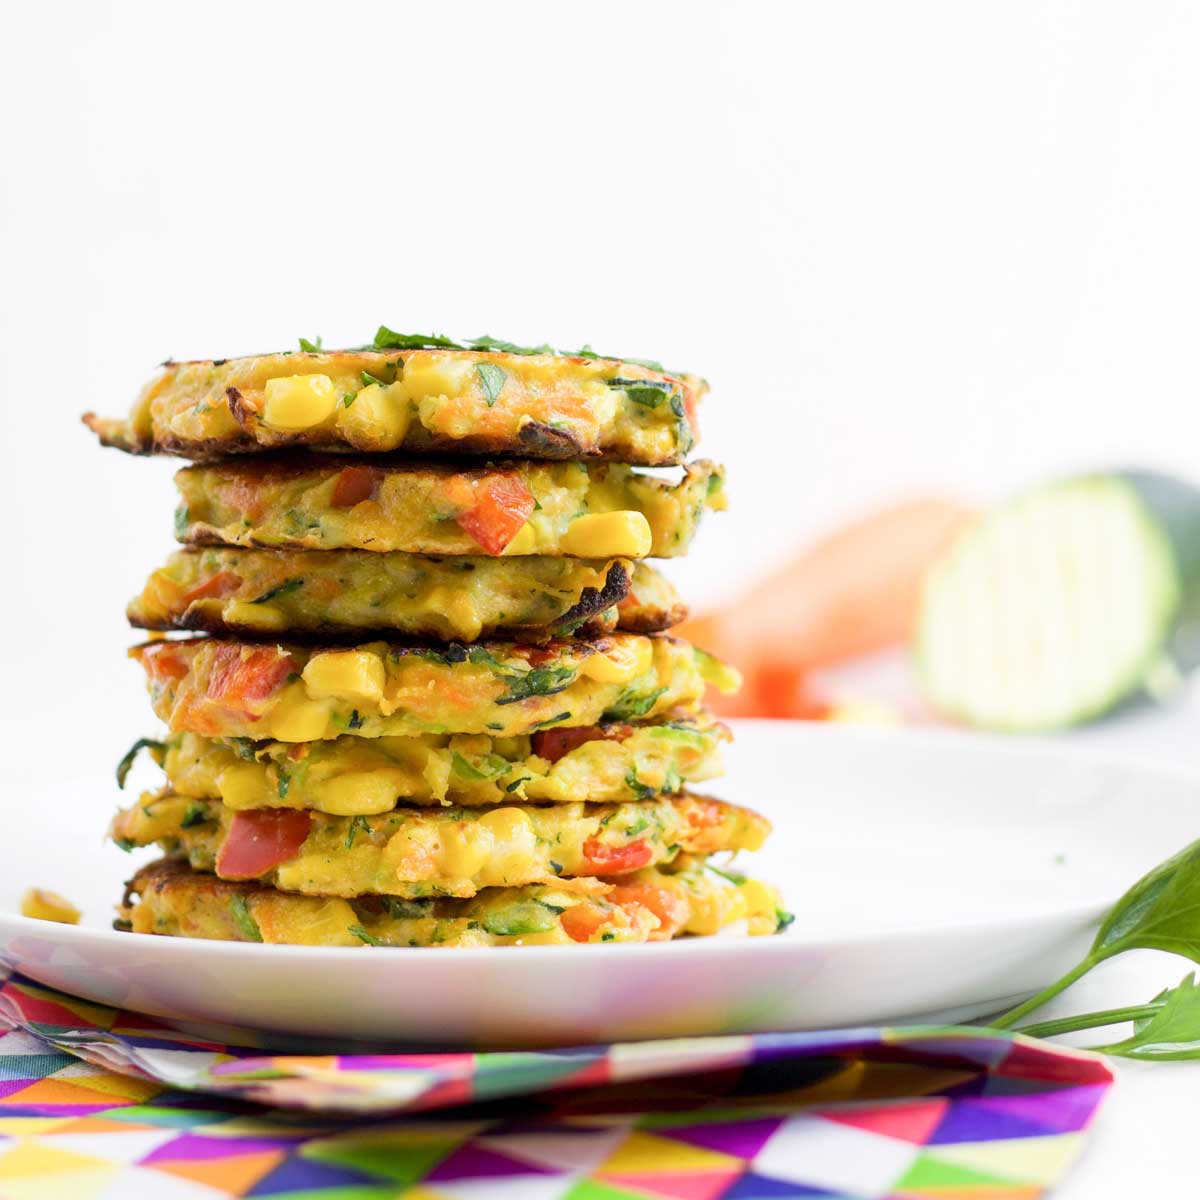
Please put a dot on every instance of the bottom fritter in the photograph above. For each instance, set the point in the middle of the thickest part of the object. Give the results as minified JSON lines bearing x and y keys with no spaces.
{"x":168,"y":897}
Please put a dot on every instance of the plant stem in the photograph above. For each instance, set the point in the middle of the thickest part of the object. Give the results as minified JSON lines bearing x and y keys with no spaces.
{"x":1009,"y":1019}
{"x":1095,"y":1020}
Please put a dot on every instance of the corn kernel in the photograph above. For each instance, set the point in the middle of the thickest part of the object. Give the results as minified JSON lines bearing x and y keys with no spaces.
{"x":244,"y":785}
{"x":508,"y":824}
{"x":249,"y":615}
{"x":362,"y":793}
{"x":604,"y":535}
{"x":299,"y":401}
{"x":464,"y":848}
{"x":376,"y":418}
{"x":43,"y":905}
{"x":525,"y":541}
{"x":625,"y":659}
{"x":356,"y":675}
{"x":514,"y":842}
{"x":297,"y":718}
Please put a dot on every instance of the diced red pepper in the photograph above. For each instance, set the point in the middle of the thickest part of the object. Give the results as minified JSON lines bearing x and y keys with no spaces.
{"x":502,"y":505}
{"x":703,"y":814}
{"x":668,"y":906}
{"x":601,"y":859}
{"x":162,"y":661}
{"x":261,"y":839}
{"x":553,"y":744}
{"x":223,"y":583}
{"x":354,"y":485}
{"x":242,"y":677}
{"x":581,"y":922}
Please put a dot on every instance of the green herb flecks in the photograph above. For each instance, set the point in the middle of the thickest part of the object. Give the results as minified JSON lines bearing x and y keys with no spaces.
{"x":541,"y":681}
{"x":280,"y":589}
{"x":283,"y":784}
{"x":196,"y":814}
{"x":492,"y":379}
{"x":368,"y":379}
{"x":247,"y":925}
{"x":182,"y":521}
{"x":389,"y":339}
{"x":363,"y":936}
{"x":633,"y":704}
{"x":649,"y":393}
{"x":490,"y":766}
{"x":313,"y":347}
{"x":638,"y":788}
{"x":157,"y":750}
{"x":358,"y":824}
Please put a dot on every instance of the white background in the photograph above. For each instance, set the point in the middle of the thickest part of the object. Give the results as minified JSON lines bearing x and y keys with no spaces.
{"x":915,"y":247}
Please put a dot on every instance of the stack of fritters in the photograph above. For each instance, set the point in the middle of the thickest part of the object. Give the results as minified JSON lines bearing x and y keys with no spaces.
{"x":435,"y":703}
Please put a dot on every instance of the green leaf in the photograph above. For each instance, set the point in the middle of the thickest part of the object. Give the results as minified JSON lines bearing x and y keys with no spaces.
{"x":368,"y":379}
{"x":313,"y":347}
{"x":247,"y":925}
{"x":503,"y":347}
{"x":492,"y":378}
{"x":363,"y":936}
{"x":157,"y":749}
{"x":1160,"y":912}
{"x":283,"y":784}
{"x":388,"y":339}
{"x":280,"y":589}
{"x":1171,"y":1033}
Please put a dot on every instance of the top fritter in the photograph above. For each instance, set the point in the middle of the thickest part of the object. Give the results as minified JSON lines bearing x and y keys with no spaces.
{"x":418,"y":394}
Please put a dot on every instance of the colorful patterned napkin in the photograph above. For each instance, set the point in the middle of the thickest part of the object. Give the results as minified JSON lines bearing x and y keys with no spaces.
{"x":959,"y":1114}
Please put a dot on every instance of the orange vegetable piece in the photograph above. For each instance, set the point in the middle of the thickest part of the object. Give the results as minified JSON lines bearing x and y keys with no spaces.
{"x":502,"y":505}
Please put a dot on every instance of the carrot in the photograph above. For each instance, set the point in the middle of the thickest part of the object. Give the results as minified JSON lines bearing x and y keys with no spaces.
{"x":853,"y":593}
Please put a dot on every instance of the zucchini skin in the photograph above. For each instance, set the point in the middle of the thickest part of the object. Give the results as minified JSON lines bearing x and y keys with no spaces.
{"x":1175,"y":508}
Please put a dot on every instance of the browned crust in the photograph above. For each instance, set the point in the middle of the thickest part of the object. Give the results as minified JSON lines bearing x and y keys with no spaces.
{"x":210,"y":450}
{"x":451,"y":652}
{"x":651,"y":620}
{"x":583,"y":619}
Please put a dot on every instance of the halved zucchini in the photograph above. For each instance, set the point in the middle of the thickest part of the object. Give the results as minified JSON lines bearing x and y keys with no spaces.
{"x":1064,"y":603}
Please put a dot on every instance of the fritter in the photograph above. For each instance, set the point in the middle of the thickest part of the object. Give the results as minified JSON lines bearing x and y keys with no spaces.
{"x":341,"y":593}
{"x":419,"y":401}
{"x":168,"y":898}
{"x":582,"y":510}
{"x":349,"y":776}
{"x":293,"y":693}
{"x":419,"y":852}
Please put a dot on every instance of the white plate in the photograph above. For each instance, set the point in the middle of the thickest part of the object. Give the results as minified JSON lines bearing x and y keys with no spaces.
{"x":928,"y":873}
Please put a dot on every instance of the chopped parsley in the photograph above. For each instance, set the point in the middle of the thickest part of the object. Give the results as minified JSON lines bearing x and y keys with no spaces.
{"x":363,"y":936}
{"x":313,"y":347}
{"x":280,"y":589}
{"x":123,"y":767}
{"x":492,"y":378}
{"x":358,"y":825}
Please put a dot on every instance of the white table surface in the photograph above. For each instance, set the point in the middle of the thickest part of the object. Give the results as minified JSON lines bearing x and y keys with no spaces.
{"x":1143,"y":1142}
